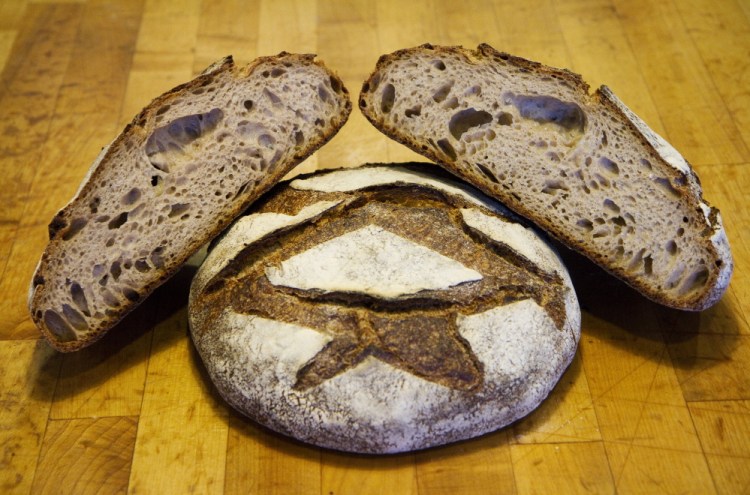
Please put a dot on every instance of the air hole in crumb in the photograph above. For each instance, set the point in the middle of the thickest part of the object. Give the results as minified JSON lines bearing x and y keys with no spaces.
{"x":611,"y":206}
{"x":75,"y":227}
{"x":155,"y":180}
{"x":248,"y":104}
{"x":116,"y":270}
{"x":667,"y":187}
{"x":505,"y":118}
{"x":547,"y":109}
{"x":272,"y":96}
{"x":475,"y":90}
{"x":675,"y":277}
{"x":266,"y":140}
{"x":695,"y":280}
{"x":299,"y":138}
{"x":438,"y":64}
{"x":552,"y":186}
{"x":79,"y":298}
{"x":603,"y":181}
{"x":277,"y":71}
{"x":585,"y":224}
{"x":648,"y":265}
{"x":142,"y":265}
{"x":447,"y":148}
{"x":131,"y":196}
{"x":636,"y":261}
{"x":74,"y":318}
{"x":487,"y":172}
{"x":671,"y":247}
{"x":58,"y":326}
{"x":118,"y":221}
{"x":414,"y":111}
{"x":130,"y":294}
{"x":168,"y":140}
{"x":98,"y":270}
{"x":156,"y":257}
{"x":619,"y":221}
{"x":323,"y":93}
{"x":464,"y":120}
{"x":178,"y":209}
{"x":609,"y":166}
{"x":387,"y":98}
{"x":442,"y":92}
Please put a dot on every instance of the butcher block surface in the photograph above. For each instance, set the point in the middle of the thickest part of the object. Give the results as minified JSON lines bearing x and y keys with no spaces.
{"x":656,"y":400}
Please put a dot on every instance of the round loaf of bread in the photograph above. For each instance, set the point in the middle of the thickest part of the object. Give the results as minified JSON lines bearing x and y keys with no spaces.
{"x":383,"y":309}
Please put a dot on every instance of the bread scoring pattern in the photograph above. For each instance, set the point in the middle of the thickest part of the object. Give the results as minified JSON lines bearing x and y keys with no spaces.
{"x":415,"y":331}
{"x":349,"y":364}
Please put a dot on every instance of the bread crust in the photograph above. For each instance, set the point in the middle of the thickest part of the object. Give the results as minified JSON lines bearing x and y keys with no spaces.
{"x":135,"y":135}
{"x":388,"y":362}
{"x":677,"y":173}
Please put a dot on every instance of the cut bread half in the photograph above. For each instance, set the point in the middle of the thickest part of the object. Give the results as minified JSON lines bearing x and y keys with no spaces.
{"x":178,"y":174}
{"x":580,"y":165}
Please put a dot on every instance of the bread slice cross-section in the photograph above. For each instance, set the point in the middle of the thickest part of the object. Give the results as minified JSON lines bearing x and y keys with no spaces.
{"x":178,"y":174}
{"x":581,"y":165}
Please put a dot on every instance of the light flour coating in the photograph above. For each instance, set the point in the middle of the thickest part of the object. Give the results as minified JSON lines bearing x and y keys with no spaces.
{"x":387,"y":317}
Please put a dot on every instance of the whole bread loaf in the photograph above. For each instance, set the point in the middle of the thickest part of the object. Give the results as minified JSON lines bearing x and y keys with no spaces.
{"x":582,"y":166}
{"x":382,"y":309}
{"x":176,"y":176}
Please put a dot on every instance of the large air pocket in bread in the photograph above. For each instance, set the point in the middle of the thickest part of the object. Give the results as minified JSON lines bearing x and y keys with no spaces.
{"x":382,"y":309}
{"x":582,"y":166}
{"x":175,"y":177}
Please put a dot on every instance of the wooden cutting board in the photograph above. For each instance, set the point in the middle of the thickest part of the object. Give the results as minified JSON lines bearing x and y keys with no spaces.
{"x":656,"y":401}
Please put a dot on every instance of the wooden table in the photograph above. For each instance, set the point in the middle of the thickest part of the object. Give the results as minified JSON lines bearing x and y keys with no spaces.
{"x":656,"y":401}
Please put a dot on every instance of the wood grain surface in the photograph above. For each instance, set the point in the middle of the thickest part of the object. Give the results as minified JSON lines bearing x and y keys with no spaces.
{"x":656,"y":400}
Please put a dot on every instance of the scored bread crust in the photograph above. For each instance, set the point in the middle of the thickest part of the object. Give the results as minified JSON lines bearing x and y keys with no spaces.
{"x":175,"y":177}
{"x":603,"y":182}
{"x":382,"y":309}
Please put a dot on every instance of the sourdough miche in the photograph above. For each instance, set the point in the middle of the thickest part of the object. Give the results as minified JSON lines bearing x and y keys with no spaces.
{"x":582,"y":166}
{"x":382,"y":309}
{"x":188,"y":164}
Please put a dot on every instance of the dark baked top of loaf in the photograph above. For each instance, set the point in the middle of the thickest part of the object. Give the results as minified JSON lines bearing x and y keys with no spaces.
{"x":414,"y":331}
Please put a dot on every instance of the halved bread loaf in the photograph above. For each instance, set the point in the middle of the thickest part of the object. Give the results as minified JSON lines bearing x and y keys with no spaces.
{"x":580,"y":165}
{"x":185,"y":167}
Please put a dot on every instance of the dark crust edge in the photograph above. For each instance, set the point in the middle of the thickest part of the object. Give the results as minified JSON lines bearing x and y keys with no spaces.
{"x":696,"y":302}
{"x":137,"y":126}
